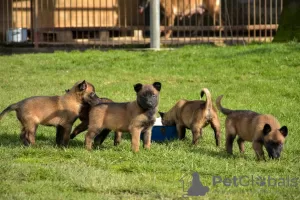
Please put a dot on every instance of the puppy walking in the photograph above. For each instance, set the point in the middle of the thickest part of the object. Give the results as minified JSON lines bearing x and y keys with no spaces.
{"x":194,"y":115}
{"x":260,"y":129}
{"x":84,"y":118}
{"x":58,"y":111}
{"x":134,"y":117}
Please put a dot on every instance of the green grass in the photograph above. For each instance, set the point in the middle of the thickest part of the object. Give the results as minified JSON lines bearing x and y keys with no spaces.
{"x":264,"y":78}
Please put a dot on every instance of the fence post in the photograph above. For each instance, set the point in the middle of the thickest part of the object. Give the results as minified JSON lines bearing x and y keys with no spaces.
{"x":154,"y":24}
{"x":35,"y":25}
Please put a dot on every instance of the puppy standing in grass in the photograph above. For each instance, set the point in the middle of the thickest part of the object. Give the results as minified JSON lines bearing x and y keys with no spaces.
{"x":193,"y":115}
{"x":261,"y":130}
{"x":134,"y":117}
{"x":84,"y":118}
{"x":58,"y":111}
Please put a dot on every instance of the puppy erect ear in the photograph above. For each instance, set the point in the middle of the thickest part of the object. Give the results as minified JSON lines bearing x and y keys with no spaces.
{"x":202,"y":94}
{"x":161,"y":114}
{"x":267,"y":129}
{"x":82,"y":86}
{"x":157,"y":85}
{"x":284,"y":131}
{"x":137,"y":87}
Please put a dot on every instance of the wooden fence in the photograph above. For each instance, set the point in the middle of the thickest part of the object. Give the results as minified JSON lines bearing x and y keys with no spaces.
{"x":118,"y":22}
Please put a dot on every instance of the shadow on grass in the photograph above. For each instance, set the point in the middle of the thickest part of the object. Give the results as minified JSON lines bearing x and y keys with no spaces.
{"x":13,"y":140}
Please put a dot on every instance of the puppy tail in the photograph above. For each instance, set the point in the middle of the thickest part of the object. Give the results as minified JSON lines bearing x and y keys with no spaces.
{"x":225,"y":111}
{"x":8,"y":109}
{"x":208,"y":105}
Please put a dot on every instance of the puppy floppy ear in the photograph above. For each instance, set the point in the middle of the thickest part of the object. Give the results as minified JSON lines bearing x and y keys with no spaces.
{"x":161,"y":114}
{"x":82,"y":86}
{"x":284,"y":131}
{"x":137,"y":87}
{"x":157,"y":85}
{"x":267,"y":129}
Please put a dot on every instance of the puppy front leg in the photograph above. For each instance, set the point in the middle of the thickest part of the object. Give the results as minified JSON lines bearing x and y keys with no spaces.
{"x":258,"y":148}
{"x":89,"y":137}
{"x":99,"y":139}
{"x":147,"y":138}
{"x":59,"y":135}
{"x":180,"y":131}
{"x":66,"y":135}
{"x":135,"y":139}
{"x":118,"y":137}
{"x":78,"y":129}
{"x":196,"y":134}
{"x":240,"y":142}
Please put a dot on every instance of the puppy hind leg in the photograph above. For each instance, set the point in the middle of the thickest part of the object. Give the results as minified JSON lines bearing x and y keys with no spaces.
{"x":215,"y":125}
{"x":229,"y":142}
{"x":28,"y":134}
{"x":24,"y":137}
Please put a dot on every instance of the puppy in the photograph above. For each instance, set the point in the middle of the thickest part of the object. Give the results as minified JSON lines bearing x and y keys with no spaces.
{"x":58,"y":111}
{"x":134,"y":117}
{"x":84,"y":118}
{"x":260,"y":129}
{"x":193,"y":115}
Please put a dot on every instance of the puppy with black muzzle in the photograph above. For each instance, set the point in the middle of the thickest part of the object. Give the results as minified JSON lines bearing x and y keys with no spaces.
{"x":194,"y":115}
{"x":134,"y":117}
{"x":84,"y":118}
{"x":260,"y":129}
{"x":58,"y":111}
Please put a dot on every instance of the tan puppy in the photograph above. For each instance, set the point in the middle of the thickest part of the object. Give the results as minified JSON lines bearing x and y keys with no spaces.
{"x":58,"y":111}
{"x":84,"y":118}
{"x":134,"y":117}
{"x":260,"y":129}
{"x":193,"y":115}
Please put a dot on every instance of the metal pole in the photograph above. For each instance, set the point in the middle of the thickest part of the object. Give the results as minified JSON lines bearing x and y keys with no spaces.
{"x":154,"y":25}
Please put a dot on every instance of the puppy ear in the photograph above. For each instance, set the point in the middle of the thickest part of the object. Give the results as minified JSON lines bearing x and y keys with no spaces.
{"x":202,"y":94}
{"x":267,"y":129}
{"x":137,"y":87}
{"x":284,"y":131}
{"x":161,"y":114}
{"x":157,"y":85}
{"x":82,"y":86}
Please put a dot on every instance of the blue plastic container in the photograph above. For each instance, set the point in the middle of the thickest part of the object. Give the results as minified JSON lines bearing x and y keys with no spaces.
{"x":163,"y":133}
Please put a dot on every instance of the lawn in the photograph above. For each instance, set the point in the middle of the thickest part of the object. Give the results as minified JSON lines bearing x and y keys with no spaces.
{"x":264,"y":78}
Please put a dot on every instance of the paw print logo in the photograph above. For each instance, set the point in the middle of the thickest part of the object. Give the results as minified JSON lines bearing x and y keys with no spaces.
{"x":261,"y":181}
{"x":196,"y":188}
